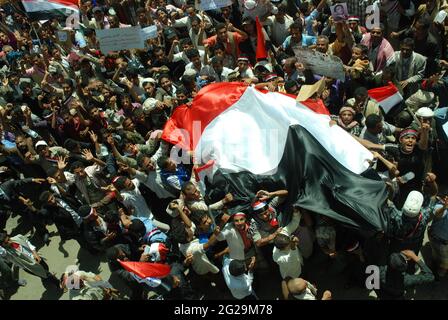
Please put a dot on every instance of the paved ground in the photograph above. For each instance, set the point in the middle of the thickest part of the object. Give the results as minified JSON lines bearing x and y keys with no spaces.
{"x":324,"y":273}
{"x":58,"y":257}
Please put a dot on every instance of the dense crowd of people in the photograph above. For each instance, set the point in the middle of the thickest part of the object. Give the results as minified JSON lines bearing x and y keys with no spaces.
{"x":81,"y":144}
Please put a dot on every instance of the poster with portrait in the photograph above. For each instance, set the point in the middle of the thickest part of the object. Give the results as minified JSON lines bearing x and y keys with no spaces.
{"x":339,"y":12}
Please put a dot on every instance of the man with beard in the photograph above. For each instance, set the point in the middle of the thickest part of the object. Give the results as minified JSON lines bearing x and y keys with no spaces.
{"x":229,"y":36}
{"x":425,"y":42}
{"x":409,"y":67}
{"x":323,"y":45}
{"x":380,"y":50}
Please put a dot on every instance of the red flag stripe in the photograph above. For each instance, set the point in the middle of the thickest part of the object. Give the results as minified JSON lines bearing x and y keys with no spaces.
{"x":146,"y":269}
{"x":206,"y":166}
{"x":317,"y":106}
{"x":382,"y":93}
{"x":261,"y":52}
{"x":209,"y":103}
{"x":68,"y":3}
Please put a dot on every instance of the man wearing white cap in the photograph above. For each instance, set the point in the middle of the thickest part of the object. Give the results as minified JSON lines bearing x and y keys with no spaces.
{"x":45,"y":156}
{"x":98,"y":21}
{"x":408,"y":225}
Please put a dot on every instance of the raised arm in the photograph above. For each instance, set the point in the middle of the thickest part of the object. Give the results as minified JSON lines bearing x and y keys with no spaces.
{"x":438,"y":213}
{"x":424,"y":136}
{"x":87,"y":154}
{"x":243,"y":34}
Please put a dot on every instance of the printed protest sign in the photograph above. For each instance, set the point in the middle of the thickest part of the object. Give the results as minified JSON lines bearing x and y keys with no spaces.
{"x":120,"y":39}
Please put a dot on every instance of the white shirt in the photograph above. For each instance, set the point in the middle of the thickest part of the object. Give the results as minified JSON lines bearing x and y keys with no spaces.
{"x":92,"y":289}
{"x":240,"y":286}
{"x":190,"y":66}
{"x":234,"y":241}
{"x":92,"y":173}
{"x":289,"y":261}
{"x":307,"y":294}
{"x":153,"y":179}
{"x":134,"y":199}
{"x":182,"y":56}
{"x":200,"y":264}
{"x":154,"y":182}
{"x":209,"y":71}
{"x":279,"y":31}
{"x":248,"y":73}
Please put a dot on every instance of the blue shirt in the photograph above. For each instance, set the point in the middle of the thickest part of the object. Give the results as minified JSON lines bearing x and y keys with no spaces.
{"x":175,"y":179}
{"x":309,"y":22}
{"x":152,"y":234}
{"x":306,"y":41}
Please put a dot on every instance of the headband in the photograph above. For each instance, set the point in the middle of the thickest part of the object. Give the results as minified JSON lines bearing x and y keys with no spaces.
{"x":408,"y":132}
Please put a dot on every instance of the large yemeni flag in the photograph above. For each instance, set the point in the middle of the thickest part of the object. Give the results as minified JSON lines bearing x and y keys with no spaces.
{"x":47,"y":9}
{"x":387,"y":96}
{"x":249,"y":140}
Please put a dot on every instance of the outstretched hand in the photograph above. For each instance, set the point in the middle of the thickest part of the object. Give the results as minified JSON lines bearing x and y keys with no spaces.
{"x":39,"y":180}
{"x":62,"y":163}
{"x":263,"y":195}
{"x":87,"y":154}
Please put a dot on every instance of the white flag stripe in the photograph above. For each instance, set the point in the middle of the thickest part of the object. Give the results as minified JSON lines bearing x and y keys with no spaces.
{"x":388,"y":103}
{"x":251,"y":135}
{"x":36,"y":6}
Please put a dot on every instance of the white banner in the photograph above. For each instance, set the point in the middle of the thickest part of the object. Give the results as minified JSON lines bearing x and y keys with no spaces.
{"x":320,"y":63}
{"x":205,"y":5}
{"x":120,"y":39}
{"x":149,"y":33}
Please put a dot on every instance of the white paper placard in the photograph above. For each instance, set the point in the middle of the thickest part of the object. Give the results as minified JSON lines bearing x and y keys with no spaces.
{"x":149,"y":32}
{"x":117,"y":39}
{"x":214,"y":4}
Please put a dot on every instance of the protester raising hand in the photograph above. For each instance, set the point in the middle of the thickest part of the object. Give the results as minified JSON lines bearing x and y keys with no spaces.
{"x":87,"y":154}
{"x":62,"y":163}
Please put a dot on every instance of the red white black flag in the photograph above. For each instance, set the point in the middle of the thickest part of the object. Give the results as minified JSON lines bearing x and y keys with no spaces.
{"x":249,"y":140}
